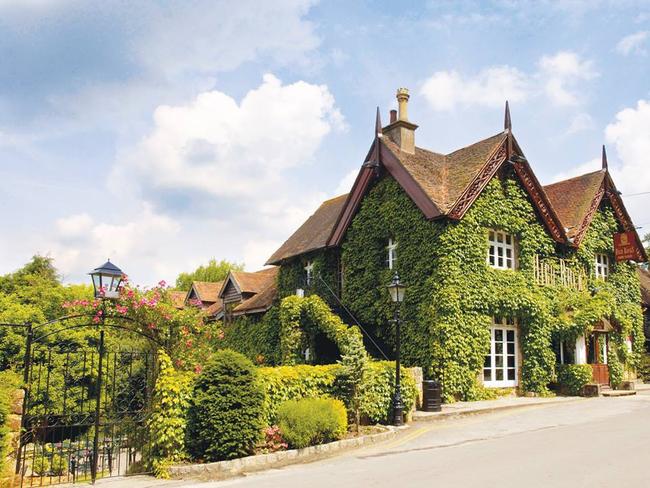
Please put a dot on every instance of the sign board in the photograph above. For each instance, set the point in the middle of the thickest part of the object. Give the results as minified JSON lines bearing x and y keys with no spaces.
{"x":625,"y":246}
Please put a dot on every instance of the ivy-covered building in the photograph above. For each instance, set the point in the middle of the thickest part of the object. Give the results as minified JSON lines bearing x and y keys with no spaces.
{"x":506,"y":278}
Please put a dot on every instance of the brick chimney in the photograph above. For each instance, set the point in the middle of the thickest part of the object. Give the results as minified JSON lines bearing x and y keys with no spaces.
{"x":401,"y":131}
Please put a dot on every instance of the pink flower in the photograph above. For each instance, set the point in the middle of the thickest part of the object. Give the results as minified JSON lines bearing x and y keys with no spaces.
{"x":198,"y":368}
{"x":162,"y":283}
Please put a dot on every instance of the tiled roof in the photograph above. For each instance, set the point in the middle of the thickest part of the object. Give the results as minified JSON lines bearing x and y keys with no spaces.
{"x":644,"y":278}
{"x":177,"y":298}
{"x":255,"y":282}
{"x":207,"y":291}
{"x":260,"y":302}
{"x":445,"y":177}
{"x":572,"y":198}
{"x":213,"y":309}
{"x":313,"y":234}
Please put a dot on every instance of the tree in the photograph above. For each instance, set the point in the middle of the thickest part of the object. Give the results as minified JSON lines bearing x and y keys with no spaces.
{"x":213,"y":271}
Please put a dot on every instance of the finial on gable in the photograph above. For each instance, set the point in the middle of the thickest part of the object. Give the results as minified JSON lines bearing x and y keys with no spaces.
{"x":507,"y":122}
{"x":604,"y":158}
{"x":378,"y":129}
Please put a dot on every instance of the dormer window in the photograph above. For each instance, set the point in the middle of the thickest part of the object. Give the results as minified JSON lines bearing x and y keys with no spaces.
{"x":309,"y":273}
{"x":391,"y":253}
{"x":501,"y":252}
{"x":602,"y":266}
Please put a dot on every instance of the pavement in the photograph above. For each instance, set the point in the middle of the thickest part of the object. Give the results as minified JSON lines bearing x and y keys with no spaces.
{"x":596,"y":442}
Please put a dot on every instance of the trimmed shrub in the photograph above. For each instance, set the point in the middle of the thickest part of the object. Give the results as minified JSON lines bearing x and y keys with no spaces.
{"x":378,"y":388}
{"x":58,"y":465}
{"x":644,"y":368}
{"x":294,"y":382}
{"x":573,"y":377}
{"x":225,"y":416}
{"x":41,"y":465}
{"x":9,"y":381}
{"x":312,"y":421}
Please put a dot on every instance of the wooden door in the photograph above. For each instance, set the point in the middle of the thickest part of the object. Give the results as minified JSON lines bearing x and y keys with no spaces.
{"x":600,"y":374}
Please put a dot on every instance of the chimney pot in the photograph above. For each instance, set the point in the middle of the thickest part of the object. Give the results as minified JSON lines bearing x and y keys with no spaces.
{"x":393,"y":116}
{"x":402,"y":103}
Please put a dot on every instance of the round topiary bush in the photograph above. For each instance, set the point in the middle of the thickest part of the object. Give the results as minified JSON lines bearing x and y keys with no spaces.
{"x":312,"y":421}
{"x":225,"y":416}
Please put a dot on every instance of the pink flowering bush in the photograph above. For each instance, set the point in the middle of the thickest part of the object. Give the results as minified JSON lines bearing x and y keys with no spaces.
{"x":273,"y":441}
{"x":184,"y":334}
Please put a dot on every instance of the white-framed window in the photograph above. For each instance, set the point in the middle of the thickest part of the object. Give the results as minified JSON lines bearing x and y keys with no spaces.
{"x":391,"y":253}
{"x":602,"y":266}
{"x":501,"y":251}
{"x":501,"y":364}
{"x":309,"y":273}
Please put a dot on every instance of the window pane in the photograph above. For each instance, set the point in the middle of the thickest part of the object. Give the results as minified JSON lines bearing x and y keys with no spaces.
{"x":487,"y":375}
{"x":511,"y":347}
{"x":498,"y":348}
{"x":488,"y":361}
{"x":508,"y":239}
{"x":498,"y":360}
{"x":491,"y":236}
{"x":499,"y":237}
{"x":510,"y":335}
{"x":499,"y":374}
{"x":498,"y":335}
{"x":511,"y":361}
{"x":511,"y":373}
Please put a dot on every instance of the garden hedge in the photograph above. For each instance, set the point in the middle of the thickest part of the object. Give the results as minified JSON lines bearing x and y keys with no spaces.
{"x":573,"y":377}
{"x":312,"y":421}
{"x":9,"y":381}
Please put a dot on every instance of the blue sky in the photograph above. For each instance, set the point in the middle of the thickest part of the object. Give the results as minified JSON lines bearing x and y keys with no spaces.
{"x":162,"y":134}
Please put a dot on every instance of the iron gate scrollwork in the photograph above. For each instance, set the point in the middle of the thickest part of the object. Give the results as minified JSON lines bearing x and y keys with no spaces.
{"x":85,"y":411}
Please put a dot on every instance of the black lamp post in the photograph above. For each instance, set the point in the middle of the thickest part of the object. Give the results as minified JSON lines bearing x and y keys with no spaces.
{"x":397,"y":291}
{"x":106,"y":280}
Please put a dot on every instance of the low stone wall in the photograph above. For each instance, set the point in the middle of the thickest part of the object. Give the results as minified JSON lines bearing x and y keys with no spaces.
{"x":236,"y":467}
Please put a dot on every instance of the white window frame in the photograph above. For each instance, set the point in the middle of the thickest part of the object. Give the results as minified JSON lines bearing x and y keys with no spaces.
{"x":309,"y":273}
{"x":501,"y":250}
{"x":602,"y":265}
{"x":391,"y":250}
{"x":504,"y":325}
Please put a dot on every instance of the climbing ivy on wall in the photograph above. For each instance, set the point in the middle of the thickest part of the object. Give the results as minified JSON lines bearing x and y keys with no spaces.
{"x":292,"y":275}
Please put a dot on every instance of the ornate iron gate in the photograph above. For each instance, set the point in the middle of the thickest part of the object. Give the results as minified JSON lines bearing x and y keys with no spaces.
{"x":85,"y":412}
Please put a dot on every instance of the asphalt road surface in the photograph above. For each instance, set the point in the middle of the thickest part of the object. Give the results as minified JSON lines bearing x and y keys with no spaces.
{"x":602,"y":442}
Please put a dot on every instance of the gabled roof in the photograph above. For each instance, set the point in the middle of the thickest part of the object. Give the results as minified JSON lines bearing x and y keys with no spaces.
{"x":313,"y":234}
{"x":247,"y":282}
{"x":573,"y":198}
{"x":260,"y":302}
{"x":177,"y":298}
{"x":206,"y":291}
{"x":214,"y":310}
{"x":644,"y":279}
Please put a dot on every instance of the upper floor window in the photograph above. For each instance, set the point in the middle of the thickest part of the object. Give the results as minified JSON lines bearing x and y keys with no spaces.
{"x":391,"y":256}
{"x":602,"y":266}
{"x":309,"y":273}
{"x":501,"y":253}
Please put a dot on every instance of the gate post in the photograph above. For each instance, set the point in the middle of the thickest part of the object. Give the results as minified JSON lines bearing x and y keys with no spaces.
{"x":100,"y":370}
{"x":27,"y":365}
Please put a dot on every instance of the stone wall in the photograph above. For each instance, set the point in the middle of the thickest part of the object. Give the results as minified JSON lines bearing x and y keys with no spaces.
{"x":14,"y":423}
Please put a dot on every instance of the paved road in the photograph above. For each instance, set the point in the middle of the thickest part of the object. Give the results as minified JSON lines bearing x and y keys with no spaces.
{"x":588,"y":443}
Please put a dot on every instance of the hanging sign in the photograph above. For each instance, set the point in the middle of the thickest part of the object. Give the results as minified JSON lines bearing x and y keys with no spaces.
{"x":625,"y":246}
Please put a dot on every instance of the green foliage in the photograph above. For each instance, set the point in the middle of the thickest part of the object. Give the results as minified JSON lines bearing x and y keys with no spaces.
{"x":41,"y":465}
{"x":225,"y":415}
{"x":301,"y":318}
{"x":376,"y":391}
{"x":256,"y":338}
{"x":354,"y":367}
{"x":573,"y":377}
{"x":615,"y":367}
{"x":58,"y":465}
{"x":167,"y":424}
{"x":644,"y":368}
{"x":284,"y":383}
{"x":292,"y":275}
{"x":9,"y":382}
{"x":212,"y":272}
{"x":312,"y":421}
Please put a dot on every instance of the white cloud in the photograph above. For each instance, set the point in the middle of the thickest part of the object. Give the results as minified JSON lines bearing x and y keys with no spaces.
{"x":78,"y":241}
{"x":345,"y":185}
{"x":558,"y":77}
{"x":445,"y":90}
{"x":579,"y":123}
{"x":223,"y":148}
{"x":633,"y":43}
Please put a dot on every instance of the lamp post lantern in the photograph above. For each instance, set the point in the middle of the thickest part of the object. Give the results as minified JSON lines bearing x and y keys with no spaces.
{"x":106,"y":280}
{"x":397,"y":291}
